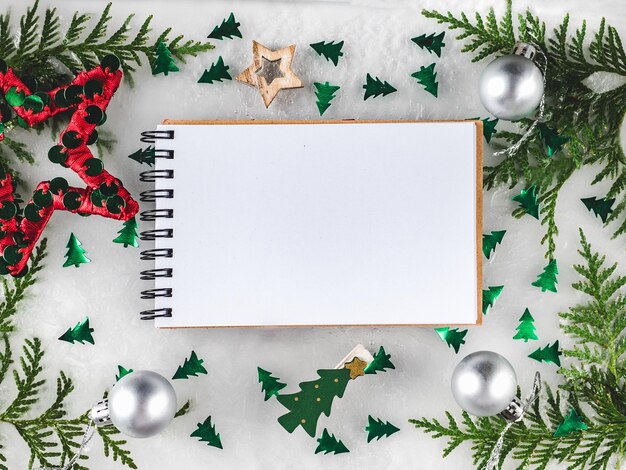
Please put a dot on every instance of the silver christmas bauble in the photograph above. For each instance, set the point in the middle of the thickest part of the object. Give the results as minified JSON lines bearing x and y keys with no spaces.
{"x":484,"y":383}
{"x":142,"y":403}
{"x":511,"y":87}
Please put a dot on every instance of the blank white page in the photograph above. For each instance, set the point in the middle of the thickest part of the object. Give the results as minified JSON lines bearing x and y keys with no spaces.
{"x":321,"y":224}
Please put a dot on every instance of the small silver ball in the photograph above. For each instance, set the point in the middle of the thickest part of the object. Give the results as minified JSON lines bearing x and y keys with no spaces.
{"x":511,"y":87}
{"x":142,"y":403}
{"x":484,"y":383}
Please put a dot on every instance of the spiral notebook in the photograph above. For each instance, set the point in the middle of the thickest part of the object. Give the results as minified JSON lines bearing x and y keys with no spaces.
{"x":313,"y":223}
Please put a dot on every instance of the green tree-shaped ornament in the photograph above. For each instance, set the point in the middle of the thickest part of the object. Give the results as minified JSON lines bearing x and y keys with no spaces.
{"x":316,"y":397}
{"x":270,"y":385}
{"x":489,"y":127}
{"x":128,"y":234}
{"x":526,"y":328}
{"x":527,"y":199}
{"x":75,"y":254}
{"x":380,"y":363}
{"x":121,"y":372}
{"x":489,"y":297}
{"x":547,"y":279}
{"x":491,"y":240}
{"x":325,"y":93}
{"x":571,"y":423}
{"x":163,"y":61}
{"x":191,"y":367}
{"x":144,"y":156}
{"x":427,"y":77}
{"x":206,"y":433}
{"x":330,"y":50}
{"x":432,"y":43}
{"x":313,"y":399}
{"x":328,"y":443}
{"x":216,"y":73}
{"x":80,"y":333}
{"x":551,"y":140}
{"x":377,"y":428}
{"x":375,"y":87}
{"x":601,"y":207}
{"x":549,"y":354}
{"x":452,"y":336}
{"x":227,"y":29}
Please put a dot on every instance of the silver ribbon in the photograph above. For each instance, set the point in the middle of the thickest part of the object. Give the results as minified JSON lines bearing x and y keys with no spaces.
{"x":543,"y":66}
{"x":494,"y":458}
{"x":89,"y":432}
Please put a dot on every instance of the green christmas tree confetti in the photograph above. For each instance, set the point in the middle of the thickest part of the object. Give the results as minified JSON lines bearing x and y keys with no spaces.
{"x":547,"y":279}
{"x":191,"y":367}
{"x":601,"y":207}
{"x":144,"y":156}
{"x":526,"y":328}
{"x":270,"y":385}
{"x":216,"y":73}
{"x":548,"y":354}
{"x":427,"y":77}
{"x":227,"y":29}
{"x":491,"y":240}
{"x":527,"y":199}
{"x":206,"y":433}
{"x":489,"y":297}
{"x":489,"y":127}
{"x":313,"y":399}
{"x":380,"y":363}
{"x":375,"y":87}
{"x":328,"y":443}
{"x":163,"y":61}
{"x":121,"y":372}
{"x":452,"y":336}
{"x":552,"y":141}
{"x":325,"y":93}
{"x":432,"y":43}
{"x":128,"y":234}
{"x":376,"y":429}
{"x":329,"y":50}
{"x":75,"y":254}
{"x":570,"y":424}
{"x":80,"y":333}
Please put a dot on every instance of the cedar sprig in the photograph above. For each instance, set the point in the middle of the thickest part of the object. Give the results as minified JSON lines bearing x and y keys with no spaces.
{"x":51,"y":437}
{"x":41,"y":42}
{"x":14,"y":289}
{"x":598,"y":327}
{"x":114,"y":447}
{"x":595,"y":381}
{"x":590,"y":119}
{"x":38,"y":45}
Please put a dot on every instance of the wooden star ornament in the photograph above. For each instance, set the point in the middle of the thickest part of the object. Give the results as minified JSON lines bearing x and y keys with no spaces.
{"x":269,"y":90}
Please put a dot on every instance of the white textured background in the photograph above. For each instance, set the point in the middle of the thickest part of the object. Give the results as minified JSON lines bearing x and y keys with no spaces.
{"x":376,"y":36}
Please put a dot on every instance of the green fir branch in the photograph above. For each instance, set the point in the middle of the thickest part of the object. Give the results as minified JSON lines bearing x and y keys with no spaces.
{"x":114,"y":447}
{"x":14,"y":289}
{"x":594,"y":381}
{"x":37,"y":47}
{"x":591,"y":120}
{"x":82,"y":47}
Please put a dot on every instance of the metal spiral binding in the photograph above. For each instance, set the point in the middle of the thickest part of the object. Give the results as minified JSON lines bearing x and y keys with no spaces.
{"x":151,"y":215}
{"x":154,"y":194}
{"x":150,"y":274}
{"x":158,"y":233}
{"x":149,"y":137}
{"x":153,"y":175}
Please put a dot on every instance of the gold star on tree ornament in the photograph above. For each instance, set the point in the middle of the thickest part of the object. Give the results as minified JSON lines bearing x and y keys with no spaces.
{"x":356,"y":367}
{"x":270,"y":90}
